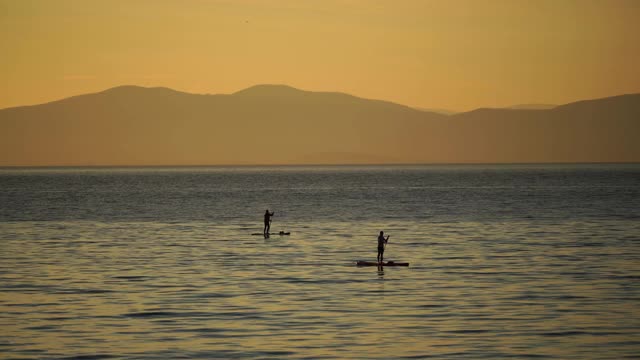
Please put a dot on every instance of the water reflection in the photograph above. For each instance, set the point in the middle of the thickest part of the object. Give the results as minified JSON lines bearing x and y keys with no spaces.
{"x":504,"y":290}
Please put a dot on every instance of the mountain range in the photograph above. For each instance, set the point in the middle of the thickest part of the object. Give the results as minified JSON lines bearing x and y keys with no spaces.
{"x":278,"y":124}
{"x":517,"y":107}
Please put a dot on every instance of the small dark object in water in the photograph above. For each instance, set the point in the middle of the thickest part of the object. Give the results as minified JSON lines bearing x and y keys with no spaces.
{"x":384,"y":263}
{"x":278,"y":233}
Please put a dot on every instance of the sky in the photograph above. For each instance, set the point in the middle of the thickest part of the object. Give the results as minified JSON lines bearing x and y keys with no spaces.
{"x":457,"y":55}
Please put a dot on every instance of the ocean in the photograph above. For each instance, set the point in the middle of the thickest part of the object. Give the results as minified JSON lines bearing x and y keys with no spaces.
{"x":506,"y":261}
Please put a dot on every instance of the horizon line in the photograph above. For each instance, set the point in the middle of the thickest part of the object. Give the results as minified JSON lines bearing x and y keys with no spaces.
{"x":4,"y":167}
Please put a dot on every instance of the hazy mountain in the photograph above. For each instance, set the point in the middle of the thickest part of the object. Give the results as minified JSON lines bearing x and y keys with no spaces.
{"x":515,"y":107}
{"x":532,"y":106}
{"x":270,"y":124}
{"x":438,"y":111}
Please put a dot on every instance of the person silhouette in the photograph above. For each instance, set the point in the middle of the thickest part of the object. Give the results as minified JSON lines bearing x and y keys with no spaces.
{"x":267,"y":221}
{"x":382,"y":241}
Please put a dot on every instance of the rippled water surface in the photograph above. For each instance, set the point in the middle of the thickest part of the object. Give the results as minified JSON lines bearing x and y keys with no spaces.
{"x":505,"y":262}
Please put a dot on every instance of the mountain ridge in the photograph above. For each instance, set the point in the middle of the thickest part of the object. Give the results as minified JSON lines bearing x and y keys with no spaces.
{"x":283,"y":90}
{"x":279,"y":124}
{"x":532,"y":106}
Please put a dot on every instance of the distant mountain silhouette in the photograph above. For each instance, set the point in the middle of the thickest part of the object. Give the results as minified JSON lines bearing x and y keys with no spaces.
{"x":270,"y":90}
{"x":439,"y":111}
{"x":532,"y":106}
{"x":272,"y":124}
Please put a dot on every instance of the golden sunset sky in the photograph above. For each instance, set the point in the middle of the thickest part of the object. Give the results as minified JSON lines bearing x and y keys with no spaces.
{"x":456,"y":55}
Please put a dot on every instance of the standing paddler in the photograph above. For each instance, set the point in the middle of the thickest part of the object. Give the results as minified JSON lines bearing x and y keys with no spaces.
{"x":382,"y":241}
{"x":267,"y":221}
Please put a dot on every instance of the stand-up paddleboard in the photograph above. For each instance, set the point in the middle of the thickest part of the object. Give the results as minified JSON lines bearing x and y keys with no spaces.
{"x":384,"y":263}
{"x":278,"y":233}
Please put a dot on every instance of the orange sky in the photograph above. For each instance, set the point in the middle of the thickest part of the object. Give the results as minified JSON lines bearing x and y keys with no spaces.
{"x":456,"y":55}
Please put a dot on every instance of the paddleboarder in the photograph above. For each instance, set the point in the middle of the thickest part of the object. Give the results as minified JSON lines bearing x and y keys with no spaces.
{"x":382,"y":241}
{"x":267,"y":221}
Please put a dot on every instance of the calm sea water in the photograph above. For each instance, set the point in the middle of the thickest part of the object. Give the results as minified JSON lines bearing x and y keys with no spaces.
{"x":159,"y":263}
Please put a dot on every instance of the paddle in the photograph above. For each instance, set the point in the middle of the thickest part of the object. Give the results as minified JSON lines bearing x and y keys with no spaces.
{"x":384,"y":245}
